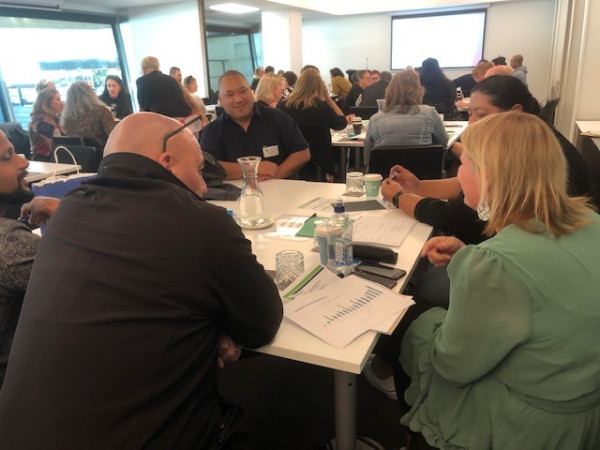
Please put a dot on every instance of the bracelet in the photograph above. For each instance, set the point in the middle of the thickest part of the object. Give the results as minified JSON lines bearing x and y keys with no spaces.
{"x":395,"y":198}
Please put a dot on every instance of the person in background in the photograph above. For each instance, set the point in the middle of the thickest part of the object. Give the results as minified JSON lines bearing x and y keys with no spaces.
{"x":270,"y":69}
{"x":404,"y":120}
{"x":175,"y":72}
{"x":316,"y":114}
{"x":116,"y":97}
{"x":280,"y":72}
{"x":43,"y":84}
{"x":340,"y":86}
{"x":191,"y":85}
{"x":249,"y":128}
{"x":376,"y":91}
{"x":258,"y":74}
{"x":17,"y":246}
{"x":513,"y":362}
{"x":147,"y":314}
{"x":85,"y":115}
{"x":309,"y":66}
{"x":374,"y":76}
{"x":466,"y":82}
{"x":363,"y":78}
{"x":45,"y":124}
{"x":516,"y":62}
{"x":290,"y":79}
{"x":160,"y":93}
{"x":439,"y":90}
{"x":269,"y":90}
{"x":499,"y":61}
{"x":499,"y":70}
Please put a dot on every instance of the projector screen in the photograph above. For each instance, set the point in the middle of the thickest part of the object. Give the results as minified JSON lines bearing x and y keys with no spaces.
{"x":454,"y":39}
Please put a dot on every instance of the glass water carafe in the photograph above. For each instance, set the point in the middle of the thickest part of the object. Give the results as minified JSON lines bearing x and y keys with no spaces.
{"x":252,"y":203}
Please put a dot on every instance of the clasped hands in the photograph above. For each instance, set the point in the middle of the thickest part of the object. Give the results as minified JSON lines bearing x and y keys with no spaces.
{"x":227,"y":350}
{"x":267,"y":170}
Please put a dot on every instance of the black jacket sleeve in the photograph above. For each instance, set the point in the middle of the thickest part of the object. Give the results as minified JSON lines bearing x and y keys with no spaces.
{"x":451,"y":218}
{"x":251,"y":307}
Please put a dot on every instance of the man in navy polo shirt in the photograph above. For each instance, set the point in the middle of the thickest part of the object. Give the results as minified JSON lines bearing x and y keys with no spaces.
{"x":251,"y":129}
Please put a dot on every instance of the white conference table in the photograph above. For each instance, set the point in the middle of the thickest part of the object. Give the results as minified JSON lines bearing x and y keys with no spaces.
{"x":340,"y":139}
{"x":39,"y":170}
{"x":292,"y":341}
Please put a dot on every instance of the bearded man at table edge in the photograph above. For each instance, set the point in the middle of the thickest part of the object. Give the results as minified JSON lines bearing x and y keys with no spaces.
{"x":140,"y":289}
{"x":248,"y":128}
{"x":17,"y":246}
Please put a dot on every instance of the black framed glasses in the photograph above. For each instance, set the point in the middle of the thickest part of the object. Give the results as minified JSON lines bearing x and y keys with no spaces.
{"x":187,"y":123}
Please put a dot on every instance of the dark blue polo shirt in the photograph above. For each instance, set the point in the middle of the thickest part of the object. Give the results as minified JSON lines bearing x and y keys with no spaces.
{"x":227,"y":141}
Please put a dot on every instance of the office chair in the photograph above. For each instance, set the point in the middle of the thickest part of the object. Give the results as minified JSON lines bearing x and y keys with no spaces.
{"x":85,"y":156}
{"x":80,"y":147}
{"x":425,"y":161}
{"x":365,"y":112}
{"x":548,"y":111}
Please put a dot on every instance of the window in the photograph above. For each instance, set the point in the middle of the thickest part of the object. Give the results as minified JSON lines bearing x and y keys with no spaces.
{"x":61,"y":51}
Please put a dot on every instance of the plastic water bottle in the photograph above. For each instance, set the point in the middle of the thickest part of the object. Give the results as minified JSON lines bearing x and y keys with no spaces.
{"x":339,"y":241}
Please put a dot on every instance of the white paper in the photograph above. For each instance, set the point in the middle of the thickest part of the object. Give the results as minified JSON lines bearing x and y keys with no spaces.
{"x":389,"y":228}
{"x":340,"y":312}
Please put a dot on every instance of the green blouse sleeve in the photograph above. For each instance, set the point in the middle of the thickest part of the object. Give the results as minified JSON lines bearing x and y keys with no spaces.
{"x":488,"y":316}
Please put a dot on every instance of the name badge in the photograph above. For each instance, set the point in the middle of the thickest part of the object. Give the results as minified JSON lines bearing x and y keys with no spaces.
{"x":269,"y":151}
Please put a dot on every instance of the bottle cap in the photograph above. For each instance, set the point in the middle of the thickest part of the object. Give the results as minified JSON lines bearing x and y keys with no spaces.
{"x":339,"y":207}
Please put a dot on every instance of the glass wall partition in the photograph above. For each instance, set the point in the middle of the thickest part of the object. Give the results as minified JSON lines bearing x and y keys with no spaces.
{"x":229,"y":49}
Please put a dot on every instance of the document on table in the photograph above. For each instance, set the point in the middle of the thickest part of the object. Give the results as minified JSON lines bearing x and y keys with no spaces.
{"x":389,"y":228}
{"x":341,"y":311}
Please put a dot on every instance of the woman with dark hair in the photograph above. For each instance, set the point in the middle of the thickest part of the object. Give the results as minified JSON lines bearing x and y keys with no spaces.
{"x":85,"y":115}
{"x":404,"y":120}
{"x":290,"y":79}
{"x":116,"y":97}
{"x":315,"y":112}
{"x":439,"y":90}
{"x":45,"y":124}
{"x":340,"y":86}
{"x":499,"y":61}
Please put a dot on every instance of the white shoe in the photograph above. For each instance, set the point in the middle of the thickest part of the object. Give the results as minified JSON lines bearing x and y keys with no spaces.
{"x":385,"y":385}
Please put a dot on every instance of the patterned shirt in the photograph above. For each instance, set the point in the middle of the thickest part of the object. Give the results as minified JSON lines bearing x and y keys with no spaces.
{"x":17,"y":249}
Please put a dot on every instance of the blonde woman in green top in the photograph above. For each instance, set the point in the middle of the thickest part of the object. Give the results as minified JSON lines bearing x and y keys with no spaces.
{"x":515,"y":361}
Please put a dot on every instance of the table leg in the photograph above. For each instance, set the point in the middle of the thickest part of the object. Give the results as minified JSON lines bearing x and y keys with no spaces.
{"x":357,"y":152}
{"x":343,"y":163}
{"x":345,"y":410}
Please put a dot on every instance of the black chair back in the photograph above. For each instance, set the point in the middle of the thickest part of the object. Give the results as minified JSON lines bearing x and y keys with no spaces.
{"x":548,"y":111}
{"x":86,"y":156}
{"x":365,"y":112}
{"x":425,"y":161}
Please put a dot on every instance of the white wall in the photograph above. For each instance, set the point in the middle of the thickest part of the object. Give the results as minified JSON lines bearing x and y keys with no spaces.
{"x":171,"y":33}
{"x":589,"y":95}
{"x":524,"y":27}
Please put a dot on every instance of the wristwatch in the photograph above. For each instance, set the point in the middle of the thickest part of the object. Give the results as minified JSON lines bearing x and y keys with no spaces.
{"x":396,"y":197}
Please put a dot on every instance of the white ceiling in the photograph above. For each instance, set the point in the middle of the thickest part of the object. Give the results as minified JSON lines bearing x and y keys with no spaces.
{"x":310,"y":9}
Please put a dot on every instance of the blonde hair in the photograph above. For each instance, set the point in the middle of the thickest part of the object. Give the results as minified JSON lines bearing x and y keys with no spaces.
{"x":81,"y":101}
{"x":404,"y":90}
{"x":309,"y":88}
{"x":523,"y":174}
{"x":43,"y":102}
{"x":266,"y":87}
